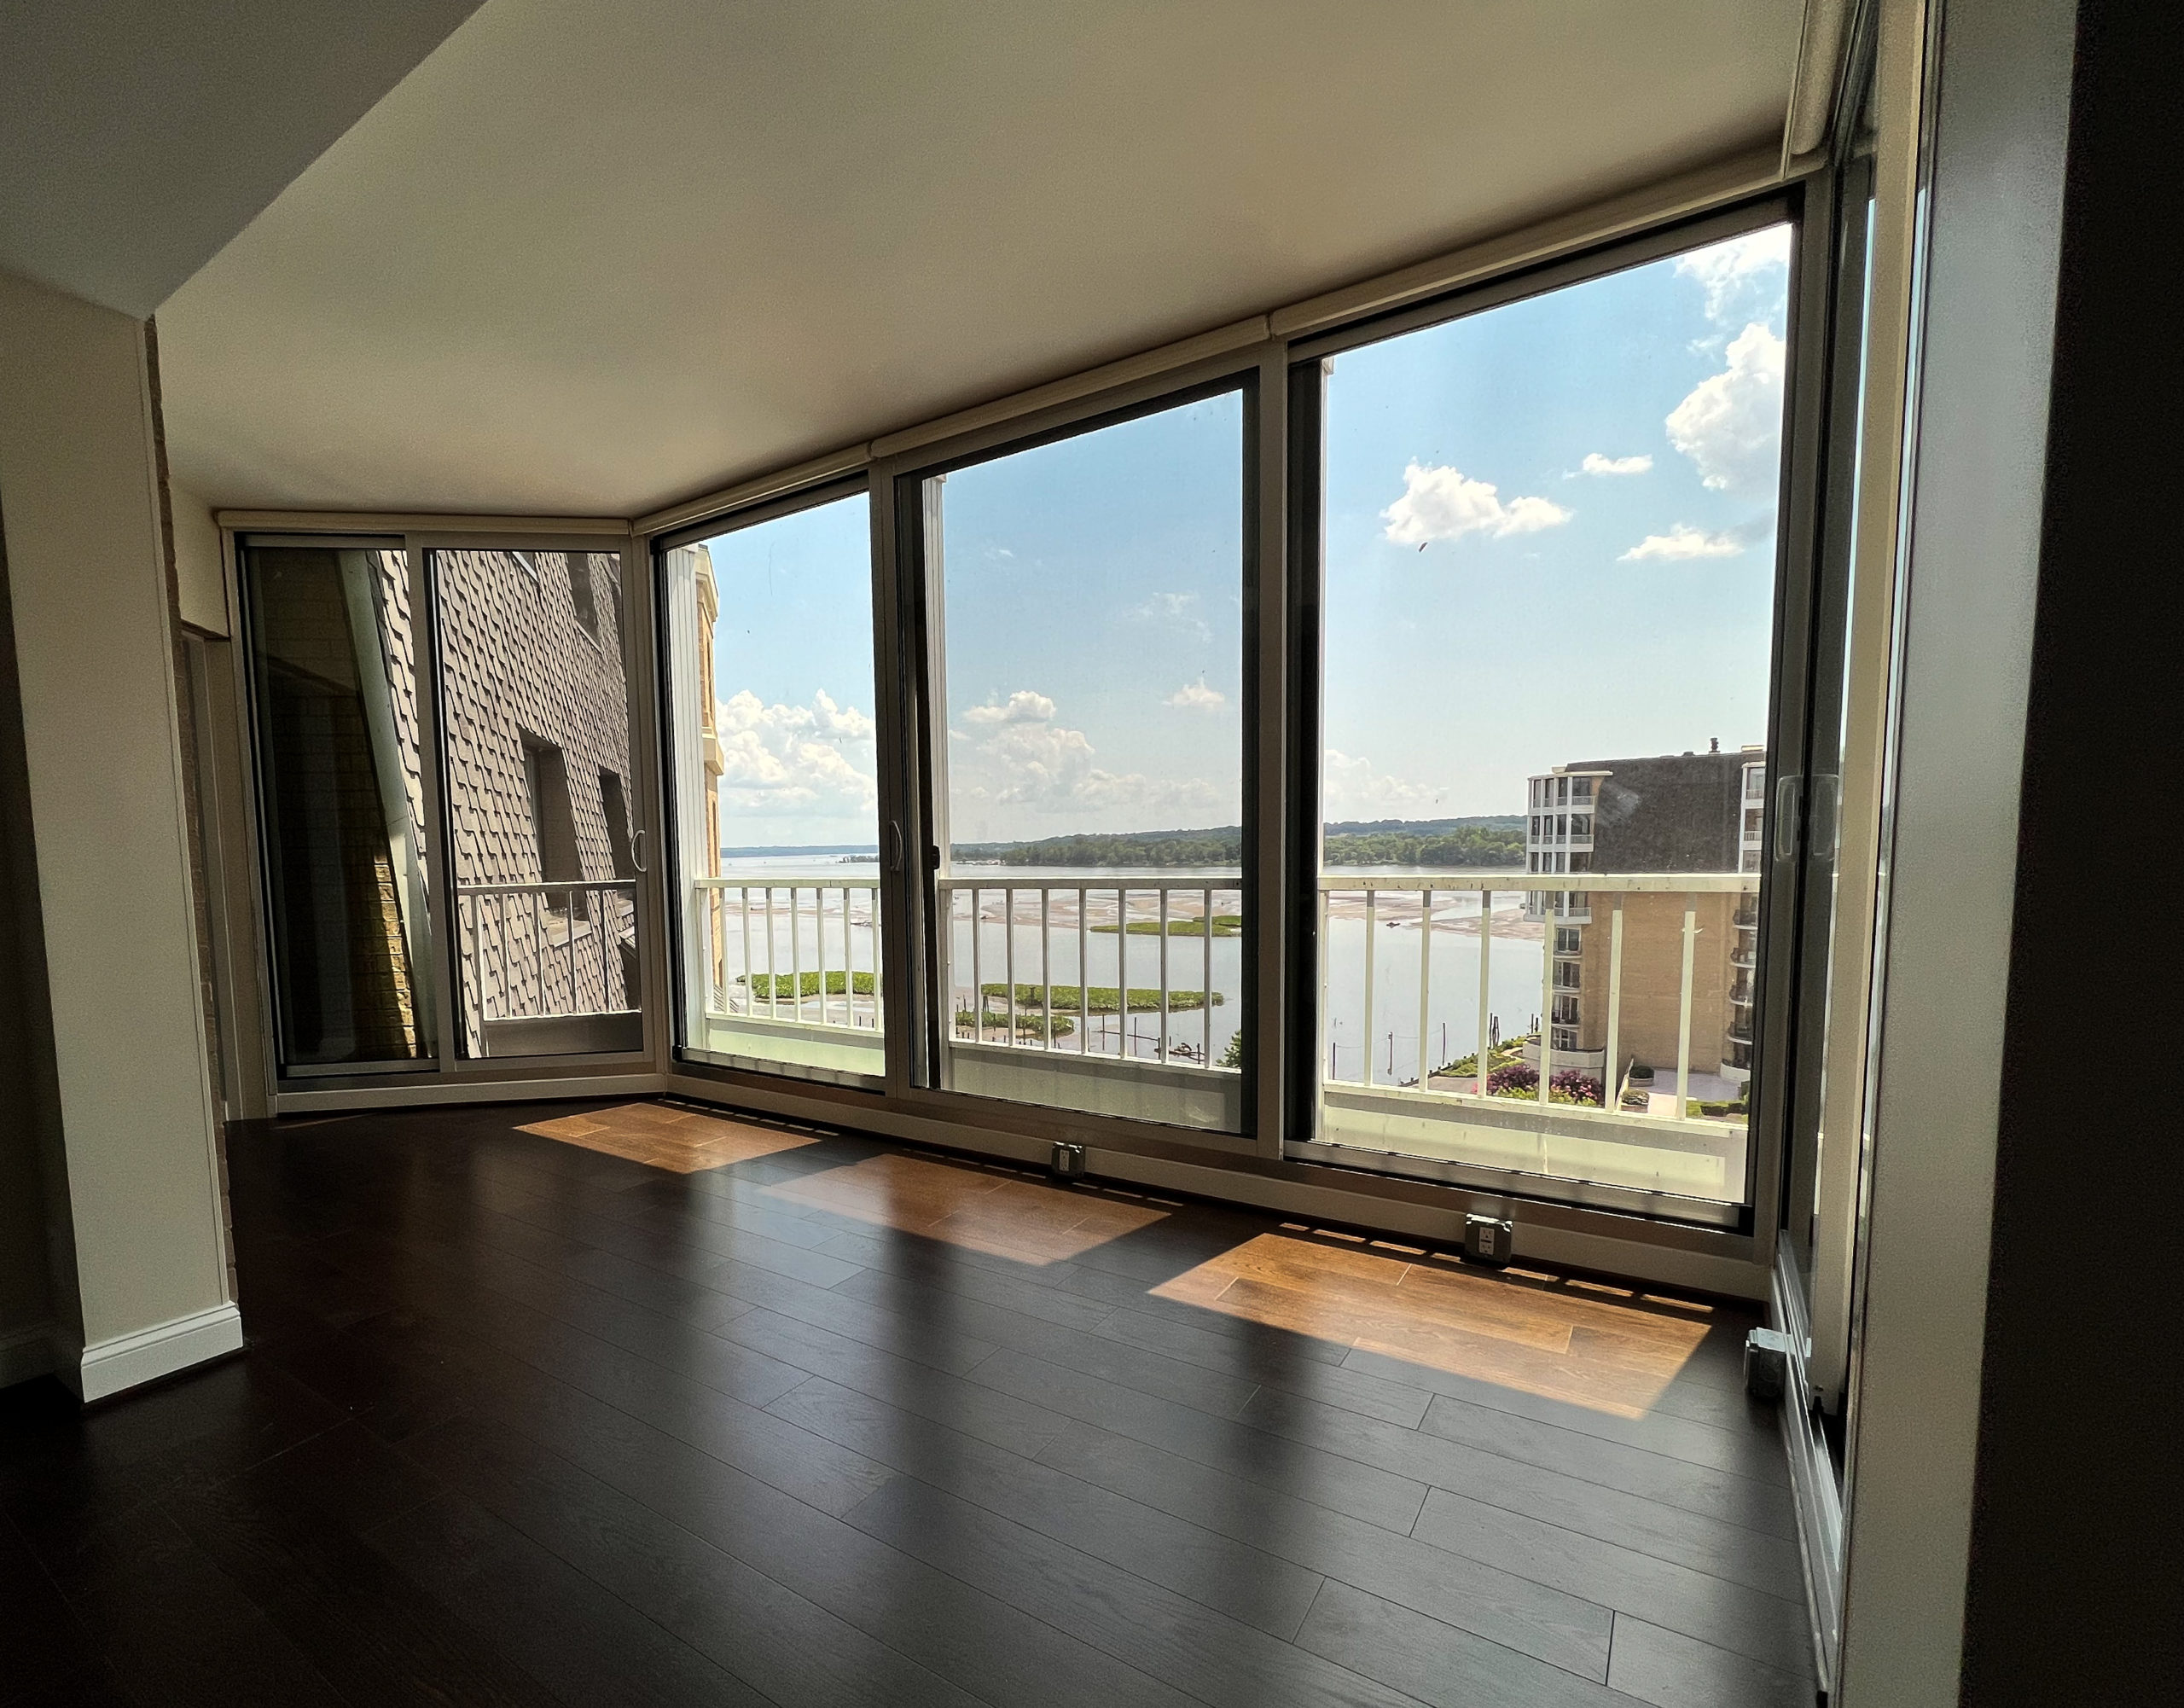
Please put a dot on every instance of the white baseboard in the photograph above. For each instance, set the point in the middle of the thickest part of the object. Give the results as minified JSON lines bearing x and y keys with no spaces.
{"x":25,"y":1352}
{"x":129,"y":1360}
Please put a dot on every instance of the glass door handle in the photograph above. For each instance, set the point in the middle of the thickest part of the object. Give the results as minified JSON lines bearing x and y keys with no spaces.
{"x":1788,"y":819}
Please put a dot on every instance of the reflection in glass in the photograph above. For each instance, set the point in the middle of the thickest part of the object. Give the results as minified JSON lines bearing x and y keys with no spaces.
{"x":535,"y":746}
{"x":777,"y":857}
{"x":334,"y":695}
{"x":1089,"y":798}
{"x":1548,"y":630}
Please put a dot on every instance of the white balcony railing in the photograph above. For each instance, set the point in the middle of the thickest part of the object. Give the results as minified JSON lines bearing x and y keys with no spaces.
{"x":795,"y":941}
{"x":1412,"y":898}
{"x":1119,"y":991}
{"x":1051,"y":953}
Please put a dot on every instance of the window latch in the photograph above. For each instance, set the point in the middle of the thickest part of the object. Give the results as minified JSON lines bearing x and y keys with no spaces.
{"x":1789,"y":827}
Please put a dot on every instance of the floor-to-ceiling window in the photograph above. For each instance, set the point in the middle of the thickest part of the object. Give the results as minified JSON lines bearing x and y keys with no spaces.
{"x":1546,"y":625}
{"x":1083,"y":611}
{"x":774,"y":771}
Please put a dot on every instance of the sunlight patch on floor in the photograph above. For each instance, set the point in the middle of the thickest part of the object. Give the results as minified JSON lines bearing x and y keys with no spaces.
{"x":981,"y":1211}
{"x":681,"y":1141}
{"x":1577,"y":1348}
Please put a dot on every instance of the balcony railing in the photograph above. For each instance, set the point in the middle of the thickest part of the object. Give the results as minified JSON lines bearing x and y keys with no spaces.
{"x":1413,"y":898}
{"x":1042,"y":994}
{"x":1121,"y":988}
{"x":797,"y":940}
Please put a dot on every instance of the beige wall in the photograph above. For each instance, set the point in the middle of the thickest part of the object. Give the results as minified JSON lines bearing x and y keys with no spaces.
{"x":1652,"y":977}
{"x":200,"y":574}
{"x":26,"y":1056}
{"x":94,"y":657}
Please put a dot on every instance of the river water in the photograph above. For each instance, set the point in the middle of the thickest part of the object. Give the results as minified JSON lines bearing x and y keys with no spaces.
{"x":1194,"y":962}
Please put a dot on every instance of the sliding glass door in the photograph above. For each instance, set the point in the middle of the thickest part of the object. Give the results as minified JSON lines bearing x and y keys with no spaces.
{"x":774,"y":786}
{"x":538,"y":792}
{"x":1547,"y":623}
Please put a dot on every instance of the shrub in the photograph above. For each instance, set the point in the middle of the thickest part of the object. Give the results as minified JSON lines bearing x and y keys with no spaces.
{"x":1517,"y":1079}
{"x":1570,"y":1086}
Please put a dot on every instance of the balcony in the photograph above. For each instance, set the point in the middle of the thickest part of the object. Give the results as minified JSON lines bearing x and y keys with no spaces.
{"x":1119,"y":993}
{"x":1033,"y":1018}
{"x":805,"y":991}
{"x":1521,"y":1123}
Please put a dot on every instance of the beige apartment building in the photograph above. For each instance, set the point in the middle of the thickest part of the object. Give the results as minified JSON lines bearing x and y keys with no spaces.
{"x":1683,"y":812}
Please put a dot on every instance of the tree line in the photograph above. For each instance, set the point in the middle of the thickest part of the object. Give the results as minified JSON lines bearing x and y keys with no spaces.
{"x":1497,"y":840}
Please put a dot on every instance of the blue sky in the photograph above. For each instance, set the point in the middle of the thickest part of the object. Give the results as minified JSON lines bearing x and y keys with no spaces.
{"x":1549,"y":532}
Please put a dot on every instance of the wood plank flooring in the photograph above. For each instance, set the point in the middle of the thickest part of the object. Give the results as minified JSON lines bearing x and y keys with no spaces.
{"x":630,"y":1403}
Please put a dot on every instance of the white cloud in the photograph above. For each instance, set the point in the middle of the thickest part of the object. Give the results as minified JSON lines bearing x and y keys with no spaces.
{"x":1595,"y":463}
{"x":1196,"y":696}
{"x":1023,"y":706}
{"x":1739,"y":275}
{"x":1015,"y":758}
{"x":1442,"y":503}
{"x":1730,"y":426}
{"x":1683,"y":542}
{"x":813,"y":759}
{"x":1354,"y":790}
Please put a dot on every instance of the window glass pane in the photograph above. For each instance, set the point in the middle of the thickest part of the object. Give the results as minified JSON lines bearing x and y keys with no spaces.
{"x":535,"y":750}
{"x":776,"y":872}
{"x":334,"y":698}
{"x":1549,"y":583}
{"x":1091,"y":793}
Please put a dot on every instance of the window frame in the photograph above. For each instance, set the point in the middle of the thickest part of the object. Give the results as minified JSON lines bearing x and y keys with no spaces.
{"x":749,"y":1072}
{"x":1803,"y":206}
{"x":440,"y":875}
{"x":446,"y":1074}
{"x":915,"y":599}
{"x":1282,"y":506}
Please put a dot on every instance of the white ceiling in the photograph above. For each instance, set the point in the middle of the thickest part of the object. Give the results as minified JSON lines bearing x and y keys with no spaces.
{"x":593,"y":256}
{"x":139,"y":135}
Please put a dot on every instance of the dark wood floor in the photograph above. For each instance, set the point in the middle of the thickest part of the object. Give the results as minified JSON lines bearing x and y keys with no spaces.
{"x":725,"y":1420}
